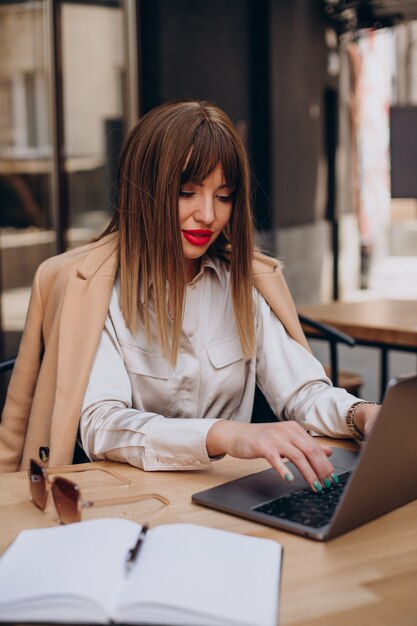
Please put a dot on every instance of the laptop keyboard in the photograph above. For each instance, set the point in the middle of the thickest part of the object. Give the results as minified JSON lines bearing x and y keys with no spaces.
{"x":306,"y":507}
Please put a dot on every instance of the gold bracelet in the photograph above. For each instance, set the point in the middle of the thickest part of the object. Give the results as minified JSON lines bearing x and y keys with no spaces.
{"x":350,"y":420}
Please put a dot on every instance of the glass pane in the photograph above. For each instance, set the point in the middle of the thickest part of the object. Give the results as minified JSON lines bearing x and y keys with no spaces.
{"x":26,"y":233}
{"x":94,"y":112}
{"x":387,"y":122}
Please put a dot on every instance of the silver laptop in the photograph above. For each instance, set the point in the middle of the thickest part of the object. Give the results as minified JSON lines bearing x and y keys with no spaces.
{"x":381,"y":477}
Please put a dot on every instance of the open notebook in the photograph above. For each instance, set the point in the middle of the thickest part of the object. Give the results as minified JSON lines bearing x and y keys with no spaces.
{"x":184,"y":575}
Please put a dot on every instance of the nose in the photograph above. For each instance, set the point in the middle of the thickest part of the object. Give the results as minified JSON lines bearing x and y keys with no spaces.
{"x":205,"y":210}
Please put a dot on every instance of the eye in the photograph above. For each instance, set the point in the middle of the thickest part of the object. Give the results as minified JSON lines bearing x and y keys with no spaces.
{"x":186,"y":194}
{"x":226,"y":198}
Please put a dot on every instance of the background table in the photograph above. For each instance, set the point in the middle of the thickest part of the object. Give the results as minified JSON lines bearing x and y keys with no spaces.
{"x":368,"y":576}
{"x":384,"y":324}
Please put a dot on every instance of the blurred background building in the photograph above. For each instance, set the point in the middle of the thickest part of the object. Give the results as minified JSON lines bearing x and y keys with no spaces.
{"x":323,"y":93}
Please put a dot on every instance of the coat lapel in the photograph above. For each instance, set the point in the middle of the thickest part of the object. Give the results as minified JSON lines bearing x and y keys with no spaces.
{"x":269,"y":280}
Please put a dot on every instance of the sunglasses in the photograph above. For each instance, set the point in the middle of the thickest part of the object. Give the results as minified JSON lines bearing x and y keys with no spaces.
{"x":66,"y":494}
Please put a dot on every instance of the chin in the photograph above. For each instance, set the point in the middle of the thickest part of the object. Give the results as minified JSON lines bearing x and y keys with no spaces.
{"x":194,"y":254}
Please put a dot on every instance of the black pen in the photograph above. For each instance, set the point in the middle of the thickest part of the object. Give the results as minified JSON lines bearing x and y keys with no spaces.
{"x":133,"y":552}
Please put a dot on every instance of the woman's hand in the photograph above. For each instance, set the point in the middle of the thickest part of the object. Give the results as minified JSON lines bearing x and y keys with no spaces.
{"x":273,"y":442}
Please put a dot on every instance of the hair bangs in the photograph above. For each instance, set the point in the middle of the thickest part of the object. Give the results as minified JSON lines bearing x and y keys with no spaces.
{"x":212,"y":145}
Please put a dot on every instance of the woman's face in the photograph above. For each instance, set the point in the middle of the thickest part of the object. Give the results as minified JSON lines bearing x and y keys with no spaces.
{"x":204,"y":210}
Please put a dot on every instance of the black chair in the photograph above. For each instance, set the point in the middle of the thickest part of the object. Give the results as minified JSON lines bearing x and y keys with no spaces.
{"x":351,"y":382}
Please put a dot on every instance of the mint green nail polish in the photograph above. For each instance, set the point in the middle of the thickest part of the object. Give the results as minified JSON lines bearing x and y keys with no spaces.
{"x":317,"y":486}
{"x":289,"y":477}
{"x":335,"y":479}
{"x":327,"y":482}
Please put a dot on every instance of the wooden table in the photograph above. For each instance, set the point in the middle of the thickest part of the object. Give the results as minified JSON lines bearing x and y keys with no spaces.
{"x":366,"y":577}
{"x":385,"y":324}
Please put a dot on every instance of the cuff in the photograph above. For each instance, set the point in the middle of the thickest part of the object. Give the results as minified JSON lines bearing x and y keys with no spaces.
{"x":328,"y":416}
{"x":177,"y":444}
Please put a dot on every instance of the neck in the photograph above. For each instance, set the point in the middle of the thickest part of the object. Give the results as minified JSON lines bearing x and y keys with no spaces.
{"x":192,"y":267}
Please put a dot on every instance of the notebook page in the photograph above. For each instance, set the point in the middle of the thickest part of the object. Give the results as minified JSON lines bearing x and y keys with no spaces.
{"x":200,"y":573}
{"x":44,"y":568}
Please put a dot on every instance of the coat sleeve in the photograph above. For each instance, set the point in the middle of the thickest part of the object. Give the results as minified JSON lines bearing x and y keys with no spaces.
{"x":269,"y":280}
{"x":22,"y":385}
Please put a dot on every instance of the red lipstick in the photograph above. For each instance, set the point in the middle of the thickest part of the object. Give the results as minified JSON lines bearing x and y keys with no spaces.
{"x":197,"y":237}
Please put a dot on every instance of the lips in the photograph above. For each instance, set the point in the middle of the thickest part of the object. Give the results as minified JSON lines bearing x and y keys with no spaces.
{"x":197,"y":237}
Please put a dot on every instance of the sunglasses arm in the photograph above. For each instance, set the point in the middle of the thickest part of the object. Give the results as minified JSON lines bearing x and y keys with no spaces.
{"x":85,"y":504}
{"x":69,"y":469}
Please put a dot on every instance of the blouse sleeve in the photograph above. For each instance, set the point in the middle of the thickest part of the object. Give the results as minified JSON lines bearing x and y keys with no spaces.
{"x":294,"y":381}
{"x":110,"y":428}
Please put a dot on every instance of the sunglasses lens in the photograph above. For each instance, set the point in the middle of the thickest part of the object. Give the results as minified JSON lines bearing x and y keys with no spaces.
{"x":38,"y":492}
{"x":65,"y":494}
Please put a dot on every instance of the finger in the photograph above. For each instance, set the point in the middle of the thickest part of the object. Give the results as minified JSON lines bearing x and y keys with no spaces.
{"x":328,"y":451}
{"x":333,"y":477}
{"x":298,"y":458}
{"x":316,"y":457}
{"x":281,"y":468}
{"x":291,"y":443}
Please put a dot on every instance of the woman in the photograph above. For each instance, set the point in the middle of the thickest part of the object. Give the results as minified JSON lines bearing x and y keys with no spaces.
{"x":152,"y":338}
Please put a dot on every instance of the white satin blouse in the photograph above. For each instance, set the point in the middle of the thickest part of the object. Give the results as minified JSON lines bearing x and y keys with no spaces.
{"x":138,"y":409}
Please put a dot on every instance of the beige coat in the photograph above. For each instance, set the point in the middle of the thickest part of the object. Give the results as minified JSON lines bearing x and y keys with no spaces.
{"x":69,"y":302}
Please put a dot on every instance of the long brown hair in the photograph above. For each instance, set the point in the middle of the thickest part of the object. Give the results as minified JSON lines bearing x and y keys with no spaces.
{"x":147,"y":221}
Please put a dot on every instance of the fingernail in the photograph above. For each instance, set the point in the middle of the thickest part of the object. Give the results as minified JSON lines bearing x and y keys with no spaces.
{"x":335,"y":479}
{"x":317,"y":486}
{"x":327,"y":482}
{"x":289,"y":477}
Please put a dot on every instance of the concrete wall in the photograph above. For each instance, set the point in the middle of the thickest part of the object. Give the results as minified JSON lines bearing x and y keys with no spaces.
{"x":306,"y":252}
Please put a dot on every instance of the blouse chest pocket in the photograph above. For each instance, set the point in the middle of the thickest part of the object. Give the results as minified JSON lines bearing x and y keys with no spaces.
{"x":149,"y":378}
{"x":225,"y":352}
{"x":227,"y":378}
{"x":143,"y":363}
